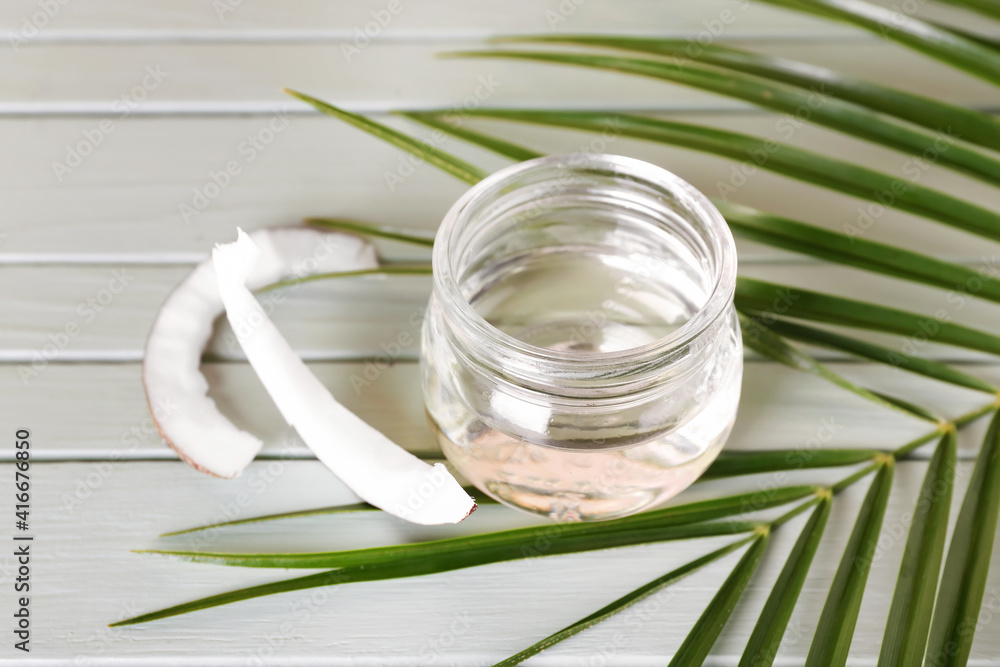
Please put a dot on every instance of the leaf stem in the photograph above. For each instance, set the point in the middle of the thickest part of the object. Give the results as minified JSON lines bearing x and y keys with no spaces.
{"x":795,"y":511}
{"x":859,"y":475}
{"x":358,"y":227}
{"x":384,"y":270}
{"x":945,"y":426}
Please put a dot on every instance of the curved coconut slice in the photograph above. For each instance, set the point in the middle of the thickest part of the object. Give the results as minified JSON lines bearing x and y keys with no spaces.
{"x":379,"y":471}
{"x":177,"y":392}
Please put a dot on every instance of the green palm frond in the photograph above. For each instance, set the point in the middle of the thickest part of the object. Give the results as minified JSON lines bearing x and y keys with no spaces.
{"x":763,"y":298}
{"x":963,"y":581}
{"x":880,"y":354}
{"x":762,"y":647}
{"x":867,"y":184}
{"x":913,"y":599}
{"x":935,"y":41}
{"x":450,"y":164}
{"x":990,"y":8}
{"x":670,"y":523}
{"x":758,"y":337}
{"x":710,"y":624}
{"x":621,"y":604}
{"x":818,"y":107}
{"x":833,"y":635}
{"x":971,"y":125}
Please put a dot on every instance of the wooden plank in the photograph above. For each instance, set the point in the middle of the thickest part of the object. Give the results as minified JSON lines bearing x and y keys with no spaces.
{"x":54,"y":312}
{"x":301,"y":18}
{"x":91,"y":77}
{"x":123,"y":203}
{"x":103,"y":411}
{"x":84,"y":318}
{"x":83,"y":576}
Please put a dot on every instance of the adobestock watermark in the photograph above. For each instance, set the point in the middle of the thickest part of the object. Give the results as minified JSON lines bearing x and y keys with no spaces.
{"x":796,"y":459}
{"x":259,"y":477}
{"x":390,"y":353}
{"x":912,"y":171}
{"x":93,"y":137}
{"x":576,"y":160}
{"x":224,"y":8}
{"x":562,"y":13}
{"x":988,"y":270}
{"x":129,"y":441}
{"x":303,"y":609}
{"x":711,"y":31}
{"x":436,"y":645}
{"x":785,"y":127}
{"x":635,"y":617}
{"x":248,"y":150}
{"x":268,"y":302}
{"x":435,"y":478}
{"x":364,"y":34}
{"x":87,"y":311}
{"x":898,"y":530}
{"x":784,"y":298}
{"x":898,"y":15}
{"x":967,"y":629}
{"x":408,"y":163}
{"x":33,"y":24}
{"x":100,"y":642}
{"x":795,"y":635}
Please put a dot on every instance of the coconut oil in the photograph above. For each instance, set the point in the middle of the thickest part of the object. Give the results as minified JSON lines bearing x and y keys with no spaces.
{"x":581,"y":356}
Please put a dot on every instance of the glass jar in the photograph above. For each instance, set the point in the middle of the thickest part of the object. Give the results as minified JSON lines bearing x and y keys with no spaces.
{"x":581,"y":354}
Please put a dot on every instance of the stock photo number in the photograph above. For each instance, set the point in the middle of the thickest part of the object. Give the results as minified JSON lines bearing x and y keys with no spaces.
{"x":22,"y":541}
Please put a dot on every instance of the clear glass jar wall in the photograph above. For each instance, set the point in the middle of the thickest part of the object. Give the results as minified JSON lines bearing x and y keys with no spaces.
{"x":581,"y":354}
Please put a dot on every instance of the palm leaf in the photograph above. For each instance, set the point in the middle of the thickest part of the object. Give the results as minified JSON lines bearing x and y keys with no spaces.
{"x":913,"y":600}
{"x":814,"y":241}
{"x":338,"y":577}
{"x":440,"y":121}
{"x":678,"y":522}
{"x":709,"y":625}
{"x":388,"y":269}
{"x":963,"y":581}
{"x":318,"y":511}
{"x":833,"y":635}
{"x":379,"y":231}
{"x":907,"y":406}
{"x":741,"y":462}
{"x":847,"y":117}
{"x":759,"y":338}
{"x":797,"y":163}
{"x":758,"y":296}
{"x":880,"y":354}
{"x":377,"y":569}
{"x":971,"y":125}
{"x":449,"y":163}
{"x":763,"y":644}
{"x":785,"y":233}
{"x":623,"y":603}
{"x":990,"y":8}
{"x":937,"y":42}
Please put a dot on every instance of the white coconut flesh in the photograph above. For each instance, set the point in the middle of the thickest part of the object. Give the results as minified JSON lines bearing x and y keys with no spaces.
{"x":176,"y":390}
{"x":379,"y":471}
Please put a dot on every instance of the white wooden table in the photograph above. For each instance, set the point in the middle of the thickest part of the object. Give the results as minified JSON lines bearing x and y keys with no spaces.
{"x":160,"y":95}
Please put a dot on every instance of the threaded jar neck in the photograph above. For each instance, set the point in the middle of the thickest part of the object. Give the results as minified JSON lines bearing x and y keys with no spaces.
{"x":513,"y":257}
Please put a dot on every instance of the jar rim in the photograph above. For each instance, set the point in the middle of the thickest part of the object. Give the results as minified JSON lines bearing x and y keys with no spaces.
{"x":721,"y":245}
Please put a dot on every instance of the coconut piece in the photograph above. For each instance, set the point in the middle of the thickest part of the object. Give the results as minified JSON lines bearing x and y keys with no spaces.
{"x":176,"y":390}
{"x":379,"y":471}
